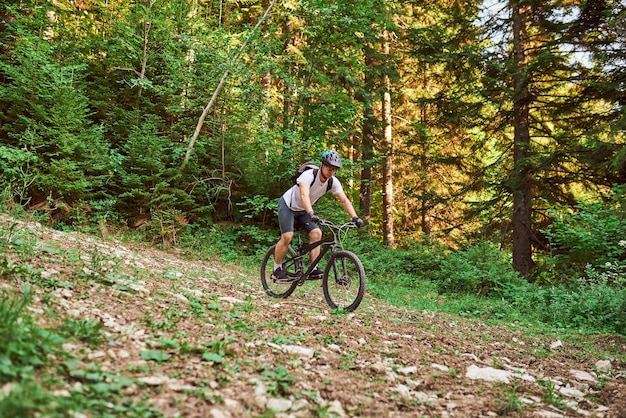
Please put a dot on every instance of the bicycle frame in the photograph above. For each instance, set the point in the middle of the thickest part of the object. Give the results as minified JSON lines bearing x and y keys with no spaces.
{"x":329,"y":243}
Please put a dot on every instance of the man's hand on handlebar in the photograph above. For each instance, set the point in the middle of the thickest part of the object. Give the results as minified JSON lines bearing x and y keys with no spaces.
{"x":314,"y":217}
{"x":357,"y":221}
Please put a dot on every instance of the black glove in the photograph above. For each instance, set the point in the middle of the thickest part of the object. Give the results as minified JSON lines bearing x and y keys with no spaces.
{"x":357,"y":221}
{"x":314,"y":217}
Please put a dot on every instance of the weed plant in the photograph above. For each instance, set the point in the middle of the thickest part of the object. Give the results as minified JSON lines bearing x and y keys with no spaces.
{"x":512,"y":403}
{"x":32,"y":359}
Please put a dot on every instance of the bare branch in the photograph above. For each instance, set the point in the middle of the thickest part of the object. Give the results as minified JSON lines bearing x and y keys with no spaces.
{"x":221,"y":84}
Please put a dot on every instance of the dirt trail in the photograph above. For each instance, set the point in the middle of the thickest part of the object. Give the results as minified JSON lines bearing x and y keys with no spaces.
{"x":234,"y":352}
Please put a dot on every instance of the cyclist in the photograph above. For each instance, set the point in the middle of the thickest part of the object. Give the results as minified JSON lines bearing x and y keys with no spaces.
{"x":295,"y":209}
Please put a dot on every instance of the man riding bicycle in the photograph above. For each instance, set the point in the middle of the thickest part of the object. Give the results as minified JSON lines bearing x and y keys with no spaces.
{"x":295,"y":209}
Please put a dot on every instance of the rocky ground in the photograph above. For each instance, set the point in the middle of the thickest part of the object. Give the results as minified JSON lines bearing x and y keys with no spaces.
{"x":199,"y":338}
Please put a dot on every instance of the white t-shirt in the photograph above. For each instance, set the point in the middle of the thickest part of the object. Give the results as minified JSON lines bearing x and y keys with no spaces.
{"x":317,"y":190}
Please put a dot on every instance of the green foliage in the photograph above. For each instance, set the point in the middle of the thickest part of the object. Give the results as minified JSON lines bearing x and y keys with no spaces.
{"x":398,"y":261}
{"x":27,"y":369}
{"x":155,"y":355}
{"x":552,"y":396}
{"x":100,"y":393}
{"x":164,"y":226}
{"x":596,"y":302}
{"x":86,"y":330}
{"x":102,"y":212}
{"x":278,"y":380}
{"x":254,"y":239}
{"x":147,"y":178}
{"x":24,"y":349}
{"x":589,"y":233}
{"x":56,"y":149}
{"x":217,"y":350}
{"x":512,"y":403}
{"x":480,"y":269}
{"x":15,"y":164}
{"x":259,"y":207}
{"x":229,"y":241}
{"x":25,"y":346}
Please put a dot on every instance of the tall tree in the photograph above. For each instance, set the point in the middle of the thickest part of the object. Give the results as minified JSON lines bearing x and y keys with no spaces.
{"x":388,"y":232}
{"x":438,"y":119}
{"x":517,"y":94}
{"x":368,"y":134}
{"x":522,"y":168}
{"x":375,"y":90}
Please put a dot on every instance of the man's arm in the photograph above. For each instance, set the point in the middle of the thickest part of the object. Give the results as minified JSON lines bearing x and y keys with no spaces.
{"x":347,"y":205}
{"x":305,"y":197}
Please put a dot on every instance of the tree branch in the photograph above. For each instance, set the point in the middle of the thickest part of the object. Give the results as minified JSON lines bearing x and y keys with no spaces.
{"x":208,"y":107}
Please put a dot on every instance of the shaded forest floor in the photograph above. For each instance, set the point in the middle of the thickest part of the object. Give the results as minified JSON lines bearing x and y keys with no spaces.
{"x":199,"y":338}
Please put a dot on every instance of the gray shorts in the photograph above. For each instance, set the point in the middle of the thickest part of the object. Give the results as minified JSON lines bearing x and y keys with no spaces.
{"x":290,"y":220}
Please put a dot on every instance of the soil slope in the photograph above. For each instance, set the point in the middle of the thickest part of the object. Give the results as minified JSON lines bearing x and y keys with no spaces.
{"x":228,"y":350}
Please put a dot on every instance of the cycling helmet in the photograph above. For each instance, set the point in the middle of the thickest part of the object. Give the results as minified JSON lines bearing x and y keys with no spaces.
{"x":331,"y":158}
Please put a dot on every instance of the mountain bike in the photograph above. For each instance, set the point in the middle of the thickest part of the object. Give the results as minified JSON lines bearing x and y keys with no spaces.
{"x":343,"y":279}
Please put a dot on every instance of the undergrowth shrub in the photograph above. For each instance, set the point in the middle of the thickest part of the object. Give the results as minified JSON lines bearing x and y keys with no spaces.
{"x":259,"y":208}
{"x":480,"y":269}
{"x":384,"y":266}
{"x":228,"y":241}
{"x":18,"y":175}
{"x":589,"y":233}
{"x":256,"y":240}
{"x":418,"y":260}
{"x":585,"y":305}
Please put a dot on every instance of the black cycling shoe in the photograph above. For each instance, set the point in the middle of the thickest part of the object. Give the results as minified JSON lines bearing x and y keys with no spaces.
{"x":316,"y":273}
{"x":280,"y":275}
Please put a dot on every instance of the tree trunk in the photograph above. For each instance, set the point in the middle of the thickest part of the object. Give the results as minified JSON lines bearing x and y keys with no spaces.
{"x":522,"y":170}
{"x":367,"y":146}
{"x":288,"y":105}
{"x":365,"y":203}
{"x":388,"y":161}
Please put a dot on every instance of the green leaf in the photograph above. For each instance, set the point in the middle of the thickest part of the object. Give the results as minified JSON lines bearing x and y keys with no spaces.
{"x":214,"y":357}
{"x":155,"y":355}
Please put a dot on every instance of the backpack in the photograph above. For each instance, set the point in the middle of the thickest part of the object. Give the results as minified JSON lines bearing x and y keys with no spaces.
{"x":310,"y":165}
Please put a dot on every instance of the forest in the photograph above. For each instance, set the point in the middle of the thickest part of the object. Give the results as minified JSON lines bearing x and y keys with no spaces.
{"x":474,"y":128}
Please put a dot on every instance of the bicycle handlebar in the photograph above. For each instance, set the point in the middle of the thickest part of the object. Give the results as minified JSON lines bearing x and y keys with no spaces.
{"x":331,"y":225}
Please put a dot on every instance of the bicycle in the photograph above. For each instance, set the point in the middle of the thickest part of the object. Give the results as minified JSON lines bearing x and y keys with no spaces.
{"x":343,"y":279}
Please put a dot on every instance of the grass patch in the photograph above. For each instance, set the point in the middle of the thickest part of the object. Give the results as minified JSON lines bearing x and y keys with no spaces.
{"x":32,"y":360}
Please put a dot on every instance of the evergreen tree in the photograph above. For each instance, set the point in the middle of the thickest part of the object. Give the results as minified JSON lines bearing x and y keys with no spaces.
{"x":47,"y":118}
{"x":532,"y":141}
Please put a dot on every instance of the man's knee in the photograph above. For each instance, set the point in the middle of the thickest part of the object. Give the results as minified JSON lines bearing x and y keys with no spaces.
{"x":315,"y":235}
{"x":286,"y":237}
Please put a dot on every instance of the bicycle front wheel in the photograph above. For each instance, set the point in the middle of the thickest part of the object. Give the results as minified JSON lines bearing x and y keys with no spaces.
{"x":344,"y":281}
{"x":291,"y":265}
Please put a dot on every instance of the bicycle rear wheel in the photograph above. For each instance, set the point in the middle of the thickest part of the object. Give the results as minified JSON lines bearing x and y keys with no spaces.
{"x":344,"y":281}
{"x":291,"y":265}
